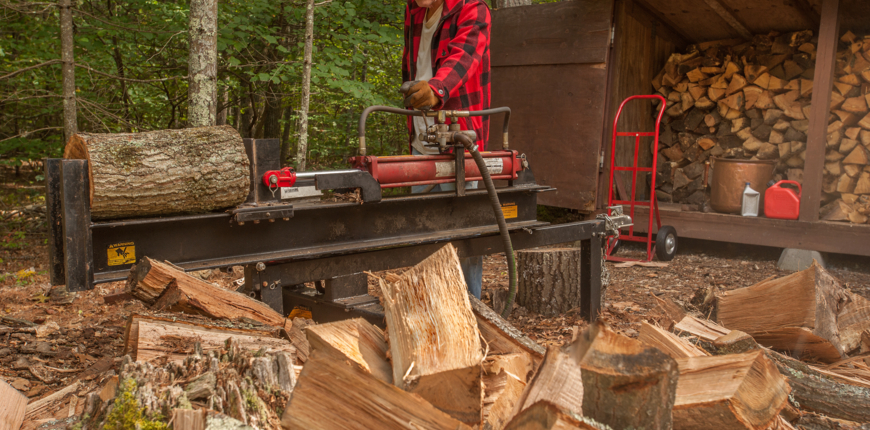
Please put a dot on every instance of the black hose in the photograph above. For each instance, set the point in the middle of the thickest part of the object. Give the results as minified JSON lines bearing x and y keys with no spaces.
{"x":499,"y":218}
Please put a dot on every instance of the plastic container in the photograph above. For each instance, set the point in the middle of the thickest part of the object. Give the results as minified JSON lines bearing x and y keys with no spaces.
{"x":751,"y":201}
{"x":782,"y":203}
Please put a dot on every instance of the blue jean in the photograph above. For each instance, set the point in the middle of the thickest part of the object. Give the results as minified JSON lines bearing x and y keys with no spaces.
{"x":472,"y":267}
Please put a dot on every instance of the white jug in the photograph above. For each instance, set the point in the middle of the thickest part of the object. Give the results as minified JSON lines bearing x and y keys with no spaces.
{"x":751,"y":201}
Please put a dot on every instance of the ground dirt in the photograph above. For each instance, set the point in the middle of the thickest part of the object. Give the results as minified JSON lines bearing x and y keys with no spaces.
{"x":89,"y":338}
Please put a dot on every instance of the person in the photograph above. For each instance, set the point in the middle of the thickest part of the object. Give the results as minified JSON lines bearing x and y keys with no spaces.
{"x":447,"y":53}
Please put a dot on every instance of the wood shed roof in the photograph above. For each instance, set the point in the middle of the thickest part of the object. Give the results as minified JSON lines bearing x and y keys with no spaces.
{"x":698,"y":20}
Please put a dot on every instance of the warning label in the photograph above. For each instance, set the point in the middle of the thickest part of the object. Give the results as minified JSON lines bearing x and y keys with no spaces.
{"x":448,"y":168}
{"x":122,"y":253}
{"x":509,"y":210}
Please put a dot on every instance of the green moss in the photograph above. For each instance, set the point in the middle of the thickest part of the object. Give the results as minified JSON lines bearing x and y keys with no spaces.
{"x":128,"y":415}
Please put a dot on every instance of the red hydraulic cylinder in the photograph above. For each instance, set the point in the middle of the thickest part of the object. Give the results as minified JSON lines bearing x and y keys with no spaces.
{"x":408,"y":170}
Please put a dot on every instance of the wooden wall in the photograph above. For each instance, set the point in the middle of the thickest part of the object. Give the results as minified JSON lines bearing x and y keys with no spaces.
{"x":548,"y":66}
{"x":641,"y":47}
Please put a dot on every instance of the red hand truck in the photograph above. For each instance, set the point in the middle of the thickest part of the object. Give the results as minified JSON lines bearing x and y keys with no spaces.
{"x":666,"y":238}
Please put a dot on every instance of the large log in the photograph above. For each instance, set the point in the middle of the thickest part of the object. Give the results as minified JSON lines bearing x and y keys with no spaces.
{"x":339,"y":395}
{"x":433,"y":335}
{"x":163,"y":172}
{"x":149,"y":338}
{"x":356,"y":340}
{"x":626,"y":384}
{"x":549,"y":280}
{"x":796,"y":313}
{"x":12,"y":407}
{"x":729,"y":392}
{"x":169,"y":288}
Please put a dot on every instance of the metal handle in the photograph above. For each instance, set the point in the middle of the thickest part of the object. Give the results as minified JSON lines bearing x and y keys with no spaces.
{"x":444,"y":113}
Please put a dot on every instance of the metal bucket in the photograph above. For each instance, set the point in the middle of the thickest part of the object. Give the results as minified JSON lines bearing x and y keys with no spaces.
{"x":730,"y":177}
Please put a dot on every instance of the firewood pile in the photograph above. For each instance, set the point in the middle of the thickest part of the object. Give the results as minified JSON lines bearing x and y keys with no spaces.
{"x":751,"y":100}
{"x":447,"y":361}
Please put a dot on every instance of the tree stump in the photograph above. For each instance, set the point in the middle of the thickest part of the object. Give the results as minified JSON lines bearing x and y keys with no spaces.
{"x":164,"y":172}
{"x":549,"y":280}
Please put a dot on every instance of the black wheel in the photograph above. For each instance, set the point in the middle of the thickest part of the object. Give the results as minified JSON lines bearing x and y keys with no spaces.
{"x":666,"y":243}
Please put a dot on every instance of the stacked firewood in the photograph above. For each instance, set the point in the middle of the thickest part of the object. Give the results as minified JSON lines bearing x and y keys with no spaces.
{"x":751,"y":101}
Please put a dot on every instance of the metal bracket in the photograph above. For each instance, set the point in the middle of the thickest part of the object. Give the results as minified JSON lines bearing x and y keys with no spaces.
{"x":369,"y":188}
{"x":257,"y":214}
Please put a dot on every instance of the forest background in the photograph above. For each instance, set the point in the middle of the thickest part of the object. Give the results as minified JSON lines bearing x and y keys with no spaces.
{"x":131,"y":73}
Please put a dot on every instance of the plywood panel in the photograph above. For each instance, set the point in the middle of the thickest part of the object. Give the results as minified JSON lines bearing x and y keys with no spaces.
{"x":570,"y":32}
{"x":557,"y":121}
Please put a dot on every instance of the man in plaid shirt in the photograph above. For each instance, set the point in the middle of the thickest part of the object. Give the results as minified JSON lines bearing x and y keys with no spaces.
{"x":447,"y":54}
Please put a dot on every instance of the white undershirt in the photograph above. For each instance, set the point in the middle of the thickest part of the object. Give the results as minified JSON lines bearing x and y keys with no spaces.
{"x":424,"y":72}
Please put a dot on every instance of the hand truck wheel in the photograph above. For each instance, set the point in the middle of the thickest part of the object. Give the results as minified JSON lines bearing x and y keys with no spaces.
{"x":666,"y":243}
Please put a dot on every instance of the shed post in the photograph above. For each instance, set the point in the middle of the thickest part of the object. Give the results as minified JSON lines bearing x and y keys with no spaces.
{"x":829,"y":32}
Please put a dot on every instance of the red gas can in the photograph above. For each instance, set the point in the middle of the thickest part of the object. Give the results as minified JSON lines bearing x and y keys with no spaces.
{"x":782,"y":203}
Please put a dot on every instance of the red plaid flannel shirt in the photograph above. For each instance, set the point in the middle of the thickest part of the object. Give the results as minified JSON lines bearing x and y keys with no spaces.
{"x":460,"y":59}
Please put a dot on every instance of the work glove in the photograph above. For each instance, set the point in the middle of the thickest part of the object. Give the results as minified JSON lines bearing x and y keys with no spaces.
{"x":419,"y":95}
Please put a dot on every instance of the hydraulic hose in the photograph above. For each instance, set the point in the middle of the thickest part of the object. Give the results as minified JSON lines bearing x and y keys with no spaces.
{"x":499,"y":218}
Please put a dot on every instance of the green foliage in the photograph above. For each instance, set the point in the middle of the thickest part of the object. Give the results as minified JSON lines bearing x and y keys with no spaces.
{"x":127,"y":414}
{"x":356,"y":64}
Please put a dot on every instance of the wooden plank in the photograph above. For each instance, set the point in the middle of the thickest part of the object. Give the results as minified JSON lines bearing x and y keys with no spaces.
{"x":575,"y":32}
{"x":826,"y":56}
{"x":822,"y":236}
{"x":729,"y":18}
{"x":559,"y":127}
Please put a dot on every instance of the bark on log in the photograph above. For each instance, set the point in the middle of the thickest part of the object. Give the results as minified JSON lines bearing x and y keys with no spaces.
{"x":544,"y":415}
{"x":433,"y":335}
{"x":148,"y":338}
{"x":335,"y":394}
{"x":12,"y":408}
{"x":356,"y":340}
{"x":803,"y":321}
{"x":549,"y":280}
{"x":163,"y":172}
{"x":501,"y":337}
{"x":729,"y":392}
{"x":505,"y":378}
{"x":626,"y":383}
{"x":184,"y":293}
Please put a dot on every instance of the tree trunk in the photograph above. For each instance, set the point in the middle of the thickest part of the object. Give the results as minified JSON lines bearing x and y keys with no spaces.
{"x":335,"y":394}
{"x":68,"y":72}
{"x":433,"y":336}
{"x":149,"y":338}
{"x":163,"y":172}
{"x":202,"y":63}
{"x":285,"y":137}
{"x":549,"y":280}
{"x":191,"y":295}
{"x":224,"y":97}
{"x":272,"y":114}
{"x":302,"y":147}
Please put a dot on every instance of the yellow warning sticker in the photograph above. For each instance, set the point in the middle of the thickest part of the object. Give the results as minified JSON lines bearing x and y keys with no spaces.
{"x":122,"y":253}
{"x":509,"y":210}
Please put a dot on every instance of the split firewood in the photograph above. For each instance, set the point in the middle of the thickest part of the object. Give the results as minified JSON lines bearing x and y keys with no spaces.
{"x":853,"y":320}
{"x":47,"y":406}
{"x":149,"y":338}
{"x":169,"y":288}
{"x":807,"y":326}
{"x":356,"y":340}
{"x":12,"y":408}
{"x":298,"y":337}
{"x":434,"y":343}
{"x":505,"y":378}
{"x":557,"y":381}
{"x":160,"y":172}
{"x":501,"y":337}
{"x":544,"y":415}
{"x":703,"y":329}
{"x":668,"y":342}
{"x":335,"y":395}
{"x":729,"y":392}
